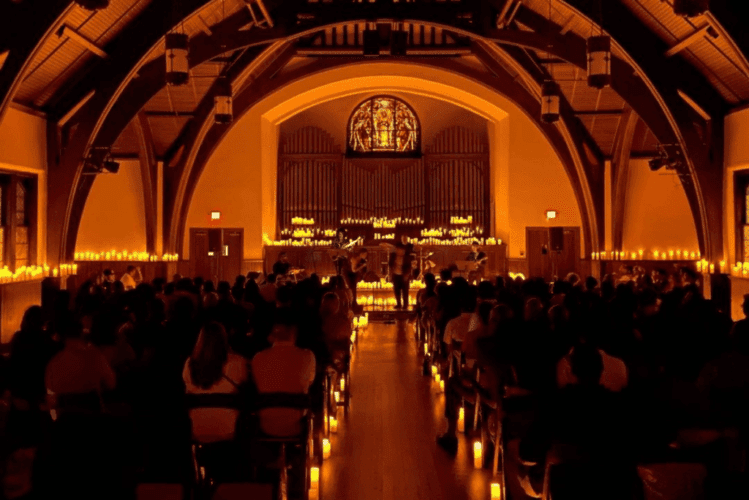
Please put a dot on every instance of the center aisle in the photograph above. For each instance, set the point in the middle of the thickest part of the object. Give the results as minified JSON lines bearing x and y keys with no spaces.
{"x":385,"y":448}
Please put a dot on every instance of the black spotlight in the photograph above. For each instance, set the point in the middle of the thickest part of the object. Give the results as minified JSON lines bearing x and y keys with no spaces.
{"x":691,"y":8}
{"x":656,"y":164}
{"x":371,"y":43}
{"x":111,"y":166}
{"x":398,"y":43}
{"x":93,"y":4}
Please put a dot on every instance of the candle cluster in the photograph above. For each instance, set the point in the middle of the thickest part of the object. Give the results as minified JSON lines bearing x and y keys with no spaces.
{"x":126,"y":256}
{"x":382,"y":303}
{"x":455,"y":241}
{"x":740,"y":270}
{"x":380,"y":222}
{"x":301,"y":221}
{"x":388,"y":236}
{"x":461,"y":220}
{"x":383,"y":284}
{"x":29,"y":273}
{"x":677,"y":254}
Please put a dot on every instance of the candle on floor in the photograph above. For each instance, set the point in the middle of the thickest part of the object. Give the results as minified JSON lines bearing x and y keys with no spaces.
{"x":337,"y":396}
{"x":477,"y":455}
{"x":314,"y":476}
{"x":462,"y":419}
{"x":333,"y":424}
{"x":343,"y":384}
{"x":437,"y":377}
{"x":426,"y":348}
{"x":496,"y":492}
{"x":442,"y":386}
{"x":434,"y":369}
{"x":326,"y":448}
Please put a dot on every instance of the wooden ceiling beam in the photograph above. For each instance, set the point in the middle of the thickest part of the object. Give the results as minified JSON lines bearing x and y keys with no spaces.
{"x":620,"y":163}
{"x":148,"y":174}
{"x":687,"y":40}
{"x":70,"y":33}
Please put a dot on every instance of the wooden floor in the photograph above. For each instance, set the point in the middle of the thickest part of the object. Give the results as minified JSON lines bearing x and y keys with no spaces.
{"x":385,"y":448}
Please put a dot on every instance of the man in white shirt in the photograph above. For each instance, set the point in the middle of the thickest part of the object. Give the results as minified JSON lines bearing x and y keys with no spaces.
{"x":283,"y":367}
{"x":131,"y":278}
{"x":614,"y":375}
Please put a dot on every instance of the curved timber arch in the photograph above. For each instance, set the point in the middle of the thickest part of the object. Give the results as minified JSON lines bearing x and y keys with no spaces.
{"x":287,"y":95}
{"x":105,"y":116}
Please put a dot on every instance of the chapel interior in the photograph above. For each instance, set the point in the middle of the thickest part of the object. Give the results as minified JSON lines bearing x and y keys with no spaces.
{"x":374,"y":249}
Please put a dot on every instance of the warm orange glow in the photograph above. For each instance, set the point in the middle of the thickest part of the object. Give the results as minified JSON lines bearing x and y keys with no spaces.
{"x":462,"y":419}
{"x":333,"y":424}
{"x":478,"y":455}
{"x":326,"y":448}
{"x":496,"y":491}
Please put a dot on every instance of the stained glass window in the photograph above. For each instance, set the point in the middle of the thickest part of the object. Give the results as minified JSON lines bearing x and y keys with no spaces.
{"x":383,"y":125}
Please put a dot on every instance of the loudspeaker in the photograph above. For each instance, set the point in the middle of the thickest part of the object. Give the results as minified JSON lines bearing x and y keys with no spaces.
{"x":371,"y":43}
{"x":556,"y":239}
{"x":214,"y":240}
{"x":398,"y":43}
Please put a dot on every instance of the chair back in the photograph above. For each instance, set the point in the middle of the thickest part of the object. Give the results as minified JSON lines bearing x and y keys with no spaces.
{"x":233,"y":401}
{"x":160,"y":491}
{"x":296,"y":401}
{"x":243,"y":491}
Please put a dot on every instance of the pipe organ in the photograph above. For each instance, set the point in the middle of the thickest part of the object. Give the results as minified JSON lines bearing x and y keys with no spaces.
{"x":317,"y":182}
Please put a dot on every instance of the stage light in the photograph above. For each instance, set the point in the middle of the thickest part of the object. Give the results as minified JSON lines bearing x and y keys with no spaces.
{"x":550,"y":97}
{"x":93,"y":4}
{"x":177,"y":64}
{"x":398,"y":43}
{"x":691,"y":8}
{"x":223,"y":112}
{"x":599,"y":61}
{"x":371,"y":42}
{"x":111,"y":166}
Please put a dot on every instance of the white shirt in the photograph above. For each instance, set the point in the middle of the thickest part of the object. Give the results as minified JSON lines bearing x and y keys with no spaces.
{"x":457,"y":328}
{"x":128,"y":281}
{"x":216,"y":424}
{"x":283,"y":368}
{"x":614,"y":376}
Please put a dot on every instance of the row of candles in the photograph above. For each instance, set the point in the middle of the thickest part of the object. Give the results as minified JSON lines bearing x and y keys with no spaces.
{"x":383,"y":222}
{"x":643,"y":255}
{"x":360,"y":323}
{"x":495,"y":489}
{"x":125,"y":256}
{"x":29,"y":273}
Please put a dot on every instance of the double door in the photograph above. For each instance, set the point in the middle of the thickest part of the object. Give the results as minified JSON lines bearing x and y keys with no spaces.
{"x":552,"y":251}
{"x":216,"y":253}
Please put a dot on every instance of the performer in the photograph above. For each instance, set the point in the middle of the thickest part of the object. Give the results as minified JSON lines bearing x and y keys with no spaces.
{"x":340,"y":257}
{"x":282,"y":265}
{"x":358,"y":266}
{"x":399,"y":269}
{"x":480,"y":259}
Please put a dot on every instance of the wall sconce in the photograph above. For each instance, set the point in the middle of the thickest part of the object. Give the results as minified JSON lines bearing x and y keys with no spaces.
{"x":599,"y":61}
{"x":550,"y":97}
{"x":177,"y":65}
{"x":215,"y":215}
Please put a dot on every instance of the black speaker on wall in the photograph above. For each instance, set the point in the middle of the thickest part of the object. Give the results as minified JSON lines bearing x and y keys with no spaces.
{"x":556,"y":239}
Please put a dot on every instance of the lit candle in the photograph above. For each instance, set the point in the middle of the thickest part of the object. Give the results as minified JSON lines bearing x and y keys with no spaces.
{"x":337,"y":396}
{"x":314,"y":476}
{"x":325,"y":448}
{"x":343,"y":384}
{"x":477,"y":455}
{"x":442,"y":386}
{"x":333,"y":424}
{"x":722,"y":266}
{"x":712,"y":268}
{"x":426,"y":348}
{"x":54,"y":273}
{"x":434,"y":369}
{"x":437,"y":378}
{"x":462,"y":419}
{"x":496,"y":492}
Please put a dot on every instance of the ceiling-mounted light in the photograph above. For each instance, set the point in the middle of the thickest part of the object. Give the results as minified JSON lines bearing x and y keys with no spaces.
{"x":599,"y":61}
{"x":223,"y":112}
{"x":93,"y":4}
{"x":550,"y":98}
{"x":177,"y":65}
{"x":691,"y":8}
{"x":371,"y":42}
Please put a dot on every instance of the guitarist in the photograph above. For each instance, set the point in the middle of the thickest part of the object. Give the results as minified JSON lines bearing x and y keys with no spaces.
{"x":480,"y":259}
{"x":358,"y":263}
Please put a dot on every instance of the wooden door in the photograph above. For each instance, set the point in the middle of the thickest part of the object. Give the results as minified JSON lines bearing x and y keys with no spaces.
{"x":230,"y":260}
{"x":537,"y":252}
{"x":200,"y":261}
{"x":544,"y":262}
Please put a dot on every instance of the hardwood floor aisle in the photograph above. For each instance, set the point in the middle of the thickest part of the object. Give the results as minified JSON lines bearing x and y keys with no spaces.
{"x":385,"y":447}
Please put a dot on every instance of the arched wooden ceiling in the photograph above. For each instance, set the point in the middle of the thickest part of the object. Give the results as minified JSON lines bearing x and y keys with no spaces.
{"x":78,"y":67}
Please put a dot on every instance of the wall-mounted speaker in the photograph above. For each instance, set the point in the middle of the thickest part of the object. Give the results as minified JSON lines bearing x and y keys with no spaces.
{"x":556,"y":239}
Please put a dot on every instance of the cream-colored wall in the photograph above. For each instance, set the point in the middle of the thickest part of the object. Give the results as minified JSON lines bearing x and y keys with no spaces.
{"x":657,"y":213}
{"x":244,"y":164}
{"x":114,"y":216}
{"x":23,"y":148}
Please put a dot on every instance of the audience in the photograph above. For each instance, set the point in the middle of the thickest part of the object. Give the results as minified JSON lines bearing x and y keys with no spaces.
{"x":594,"y":377}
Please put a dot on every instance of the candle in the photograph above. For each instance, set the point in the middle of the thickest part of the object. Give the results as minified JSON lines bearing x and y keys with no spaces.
{"x":343,"y":384}
{"x":337,"y":396}
{"x":426,"y":348}
{"x":462,"y":419}
{"x":712,"y":268}
{"x":442,"y":386}
{"x":434,"y":369}
{"x":477,"y":455}
{"x":496,"y":492}
{"x":722,"y":266}
{"x":437,"y":378}
{"x":314,"y":476}
{"x":333,"y":424}
{"x":326,"y":448}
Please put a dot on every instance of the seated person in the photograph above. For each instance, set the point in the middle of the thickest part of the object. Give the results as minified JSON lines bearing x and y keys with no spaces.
{"x":214,"y":369}
{"x":269,"y":289}
{"x":79,"y":370}
{"x":131,"y":278}
{"x":614,"y":375}
{"x":285,"y":368}
{"x":585,"y":426}
{"x":282,"y":265}
{"x":336,"y":327}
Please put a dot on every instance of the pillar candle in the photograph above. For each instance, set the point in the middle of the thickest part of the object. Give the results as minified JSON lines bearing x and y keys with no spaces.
{"x":326,"y":448}
{"x":462,"y":419}
{"x":496,"y":492}
{"x":333,"y":424}
{"x":478,"y":455}
{"x":314,"y":476}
